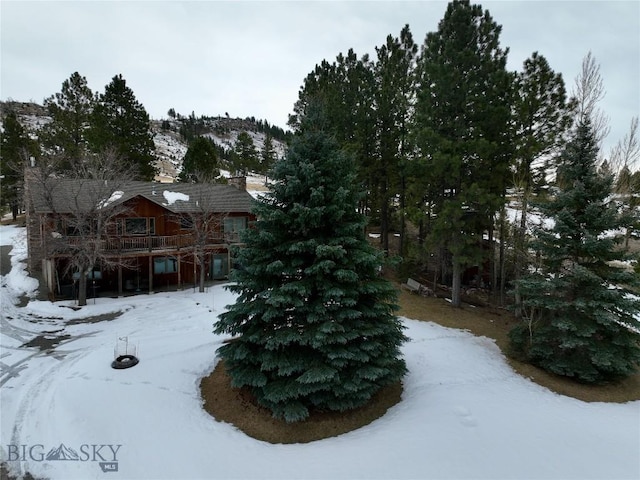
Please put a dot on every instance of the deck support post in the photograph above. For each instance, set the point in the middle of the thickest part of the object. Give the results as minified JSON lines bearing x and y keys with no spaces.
{"x":119,"y":276}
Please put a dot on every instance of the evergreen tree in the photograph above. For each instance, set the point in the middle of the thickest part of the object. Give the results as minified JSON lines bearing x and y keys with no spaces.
{"x":191,"y":127}
{"x":345,"y":90}
{"x":542,"y":117}
{"x":463,"y":118}
{"x":119,"y":121}
{"x":580,"y":319}
{"x":314,"y":323}
{"x":200,"y":163}
{"x":70,"y":112}
{"x":245,"y":158}
{"x":393,"y":99}
{"x":15,"y":148}
{"x":268,"y":154}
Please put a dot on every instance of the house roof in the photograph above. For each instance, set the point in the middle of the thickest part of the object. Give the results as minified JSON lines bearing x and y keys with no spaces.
{"x":63,"y":195}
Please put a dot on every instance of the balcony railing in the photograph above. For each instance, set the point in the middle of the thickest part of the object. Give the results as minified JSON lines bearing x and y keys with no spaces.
{"x":154,"y":242}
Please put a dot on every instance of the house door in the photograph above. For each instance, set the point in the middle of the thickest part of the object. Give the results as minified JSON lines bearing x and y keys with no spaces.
{"x":219,"y":268}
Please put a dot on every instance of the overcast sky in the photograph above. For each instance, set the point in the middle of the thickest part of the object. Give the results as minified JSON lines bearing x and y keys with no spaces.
{"x":250,"y":58}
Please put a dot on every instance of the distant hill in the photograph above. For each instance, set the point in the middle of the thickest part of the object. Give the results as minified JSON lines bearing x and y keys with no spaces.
{"x":171,"y":135}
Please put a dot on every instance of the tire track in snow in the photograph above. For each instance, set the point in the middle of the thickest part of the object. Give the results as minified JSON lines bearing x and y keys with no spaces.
{"x":10,"y":371}
{"x":37,"y":396}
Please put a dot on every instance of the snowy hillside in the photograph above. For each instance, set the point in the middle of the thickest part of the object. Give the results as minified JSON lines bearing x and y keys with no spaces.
{"x":171,"y":148}
{"x":170,"y":144}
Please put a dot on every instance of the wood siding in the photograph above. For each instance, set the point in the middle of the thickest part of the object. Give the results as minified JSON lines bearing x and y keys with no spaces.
{"x":138,"y":251}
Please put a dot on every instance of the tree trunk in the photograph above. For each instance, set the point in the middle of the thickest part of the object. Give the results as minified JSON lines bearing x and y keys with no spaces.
{"x":456,"y":283}
{"x":179,"y":272}
{"x":82,"y":289}
{"x":120,"y":291}
{"x":384,"y":223}
{"x":493,"y":271}
{"x":502,"y":259}
{"x":150,"y":260}
{"x":402,"y":213}
{"x":202,"y":273}
{"x":520,"y":253}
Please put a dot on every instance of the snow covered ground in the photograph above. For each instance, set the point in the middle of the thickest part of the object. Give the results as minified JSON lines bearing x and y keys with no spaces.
{"x":464,"y":412}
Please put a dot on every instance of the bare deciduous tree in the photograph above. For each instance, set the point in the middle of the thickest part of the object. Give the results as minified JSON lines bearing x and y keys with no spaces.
{"x":205,"y":225}
{"x":589,"y":91}
{"x":81,"y":213}
{"x":623,"y":161}
{"x":626,"y":153}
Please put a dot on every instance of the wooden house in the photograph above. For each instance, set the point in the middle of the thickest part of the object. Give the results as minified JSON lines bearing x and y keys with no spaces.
{"x":146,"y":235}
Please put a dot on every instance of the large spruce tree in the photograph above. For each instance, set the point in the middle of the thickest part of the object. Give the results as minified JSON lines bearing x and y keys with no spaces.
{"x":580,"y":319}
{"x":313,"y":325}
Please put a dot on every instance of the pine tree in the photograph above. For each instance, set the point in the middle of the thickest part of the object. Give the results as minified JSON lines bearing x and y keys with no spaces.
{"x":393,"y":99}
{"x":245,"y":154}
{"x":462,"y":134}
{"x":345,"y":89}
{"x":200,"y":163}
{"x":542,"y":118}
{"x":119,"y":121}
{"x":268,"y":154}
{"x":580,"y":318}
{"x":70,"y":112}
{"x":15,"y":148}
{"x":314,"y":323}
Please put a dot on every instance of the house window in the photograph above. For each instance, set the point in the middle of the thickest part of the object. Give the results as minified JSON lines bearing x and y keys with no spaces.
{"x":165,"y":265}
{"x":72,"y":231}
{"x":140,"y":226}
{"x":219,"y":266}
{"x":186,"y":223}
{"x":68,"y":226}
{"x":235,"y":224}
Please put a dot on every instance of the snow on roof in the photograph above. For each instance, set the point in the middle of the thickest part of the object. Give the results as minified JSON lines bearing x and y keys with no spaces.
{"x":117,"y":195}
{"x":69,"y":195}
{"x":173,"y":197}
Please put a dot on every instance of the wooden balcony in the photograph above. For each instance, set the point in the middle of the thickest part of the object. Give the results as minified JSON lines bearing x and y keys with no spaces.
{"x":153,"y":243}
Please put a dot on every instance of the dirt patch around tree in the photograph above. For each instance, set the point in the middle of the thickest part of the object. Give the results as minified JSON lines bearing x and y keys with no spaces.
{"x":238,"y":407}
{"x":496,"y":323}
